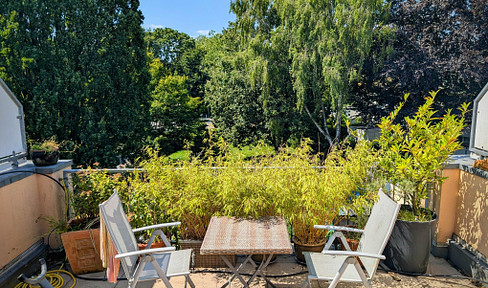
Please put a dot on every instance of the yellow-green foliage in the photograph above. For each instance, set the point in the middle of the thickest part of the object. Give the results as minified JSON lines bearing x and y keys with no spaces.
{"x":225,"y":181}
{"x":90,"y":188}
{"x":413,"y":154}
{"x":319,"y":194}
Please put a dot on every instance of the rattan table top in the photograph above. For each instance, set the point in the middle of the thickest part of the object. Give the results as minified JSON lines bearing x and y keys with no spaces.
{"x":232,"y":236}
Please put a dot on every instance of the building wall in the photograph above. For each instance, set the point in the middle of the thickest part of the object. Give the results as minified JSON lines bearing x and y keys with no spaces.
{"x":447,"y":206}
{"x":472,"y":211}
{"x":24,"y":206}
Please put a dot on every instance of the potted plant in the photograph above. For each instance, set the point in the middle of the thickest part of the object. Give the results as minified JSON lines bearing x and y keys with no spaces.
{"x":324,"y":193}
{"x":413,"y":154}
{"x":45,"y":153}
{"x":481,"y":164}
{"x":178,"y":190}
{"x":81,"y":234}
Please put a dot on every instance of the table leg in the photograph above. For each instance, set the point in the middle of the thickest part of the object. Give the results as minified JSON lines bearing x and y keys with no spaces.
{"x":259,"y":270}
{"x":235,"y":271}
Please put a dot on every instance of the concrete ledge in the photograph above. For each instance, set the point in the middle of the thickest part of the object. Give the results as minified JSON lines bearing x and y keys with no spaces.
{"x":440,"y":251}
{"x":27,"y":169}
{"x":467,"y":262}
{"x":26,"y":263}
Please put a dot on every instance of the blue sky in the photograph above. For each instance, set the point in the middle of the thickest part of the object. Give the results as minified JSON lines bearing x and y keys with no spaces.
{"x":193,"y":17}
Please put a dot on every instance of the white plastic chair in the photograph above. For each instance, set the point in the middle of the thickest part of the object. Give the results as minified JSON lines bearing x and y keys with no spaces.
{"x":335,"y":266}
{"x":164,"y":262}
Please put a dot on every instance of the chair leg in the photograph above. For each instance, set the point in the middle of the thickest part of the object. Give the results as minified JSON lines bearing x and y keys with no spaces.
{"x":306,"y":283}
{"x":188,"y":279}
{"x":366,"y":283}
{"x":341,"y":271}
{"x":160,"y":272}
{"x":137,"y":274}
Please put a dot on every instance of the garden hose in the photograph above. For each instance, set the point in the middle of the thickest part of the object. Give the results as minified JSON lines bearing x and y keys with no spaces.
{"x":53,"y":278}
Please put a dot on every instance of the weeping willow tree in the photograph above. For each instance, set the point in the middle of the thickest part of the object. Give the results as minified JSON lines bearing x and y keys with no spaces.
{"x":323,"y":43}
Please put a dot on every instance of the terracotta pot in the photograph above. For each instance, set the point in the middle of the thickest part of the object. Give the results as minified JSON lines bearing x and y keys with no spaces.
{"x":82,"y":249}
{"x":300,"y":248}
{"x":353,"y":244}
{"x":143,"y":246}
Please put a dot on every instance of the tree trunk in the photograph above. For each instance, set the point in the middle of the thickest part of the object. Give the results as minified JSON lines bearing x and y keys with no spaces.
{"x":324,"y":131}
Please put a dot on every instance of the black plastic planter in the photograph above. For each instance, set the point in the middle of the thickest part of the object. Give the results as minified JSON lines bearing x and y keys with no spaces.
{"x":44,"y":158}
{"x":409,"y":246}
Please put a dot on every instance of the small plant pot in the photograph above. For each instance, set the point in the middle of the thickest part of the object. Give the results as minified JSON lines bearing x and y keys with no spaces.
{"x":143,"y":246}
{"x":44,"y":158}
{"x":300,"y":248}
{"x":353,"y":244}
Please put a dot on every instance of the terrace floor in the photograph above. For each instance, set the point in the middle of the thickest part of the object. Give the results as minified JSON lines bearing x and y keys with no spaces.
{"x":287,"y":265}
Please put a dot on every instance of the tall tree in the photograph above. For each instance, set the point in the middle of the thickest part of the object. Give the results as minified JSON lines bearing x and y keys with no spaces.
{"x":439,"y":45}
{"x":326,"y":43}
{"x":78,"y":67}
{"x":235,"y":105}
{"x":177,"y":84}
{"x":240,"y":107}
{"x":179,"y":55}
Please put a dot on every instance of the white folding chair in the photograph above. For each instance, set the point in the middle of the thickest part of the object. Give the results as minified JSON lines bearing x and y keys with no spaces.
{"x":164,"y":262}
{"x":335,"y":266}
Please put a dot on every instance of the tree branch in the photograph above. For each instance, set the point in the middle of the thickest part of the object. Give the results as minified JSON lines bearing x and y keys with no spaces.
{"x":325,"y":133}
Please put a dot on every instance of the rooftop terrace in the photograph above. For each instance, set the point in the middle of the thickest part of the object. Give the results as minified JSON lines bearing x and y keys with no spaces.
{"x":286,"y":265}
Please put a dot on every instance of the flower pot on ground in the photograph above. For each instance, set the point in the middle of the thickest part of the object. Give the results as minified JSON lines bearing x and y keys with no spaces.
{"x":204,"y":261}
{"x":305,"y":247}
{"x":82,"y":249}
{"x":80,"y":235}
{"x":353,"y":244}
{"x":412,"y":158}
{"x":409,"y":245}
{"x":45,"y":153}
{"x":143,"y":246}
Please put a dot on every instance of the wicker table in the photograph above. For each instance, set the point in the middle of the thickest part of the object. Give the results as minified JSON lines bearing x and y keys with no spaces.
{"x":234,"y":236}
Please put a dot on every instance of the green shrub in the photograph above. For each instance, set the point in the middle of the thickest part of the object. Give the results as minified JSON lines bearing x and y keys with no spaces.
{"x":413,"y":154}
{"x":90,"y":188}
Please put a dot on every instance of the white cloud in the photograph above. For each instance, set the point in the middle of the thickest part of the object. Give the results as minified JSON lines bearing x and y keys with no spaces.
{"x":203,"y":32}
{"x":152,"y":26}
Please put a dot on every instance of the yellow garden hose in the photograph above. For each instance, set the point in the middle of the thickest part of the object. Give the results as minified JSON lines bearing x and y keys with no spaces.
{"x":54,"y":277}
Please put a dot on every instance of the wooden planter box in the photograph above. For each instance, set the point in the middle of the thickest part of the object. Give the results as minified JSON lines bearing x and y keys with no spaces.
{"x":83,"y":250}
{"x":204,"y":261}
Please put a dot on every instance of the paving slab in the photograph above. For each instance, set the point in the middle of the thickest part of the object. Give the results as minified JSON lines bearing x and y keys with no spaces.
{"x":286,"y":273}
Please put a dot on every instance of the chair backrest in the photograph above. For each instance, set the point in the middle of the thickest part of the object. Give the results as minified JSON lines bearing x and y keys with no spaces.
{"x":120,"y":231}
{"x":378,"y":230}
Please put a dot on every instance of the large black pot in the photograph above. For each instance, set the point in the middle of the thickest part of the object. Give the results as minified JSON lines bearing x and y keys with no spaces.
{"x":409,"y":246}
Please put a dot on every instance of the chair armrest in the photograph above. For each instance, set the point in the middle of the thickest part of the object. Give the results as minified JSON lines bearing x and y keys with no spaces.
{"x":353,"y":253}
{"x":338,"y":228}
{"x":157,"y":226}
{"x":145,"y":251}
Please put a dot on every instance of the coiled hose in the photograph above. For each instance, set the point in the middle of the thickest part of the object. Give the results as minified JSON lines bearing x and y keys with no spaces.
{"x":53,"y":277}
